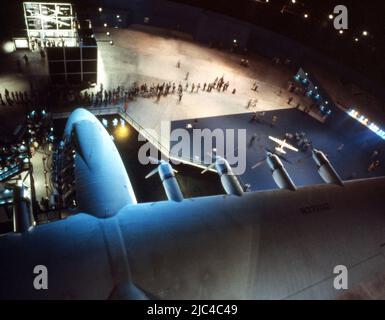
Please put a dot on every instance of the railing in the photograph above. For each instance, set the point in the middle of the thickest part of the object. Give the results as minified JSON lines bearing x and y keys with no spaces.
{"x":119,"y":110}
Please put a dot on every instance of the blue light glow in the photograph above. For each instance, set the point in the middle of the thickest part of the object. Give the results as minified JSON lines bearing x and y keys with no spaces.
{"x":365,"y":121}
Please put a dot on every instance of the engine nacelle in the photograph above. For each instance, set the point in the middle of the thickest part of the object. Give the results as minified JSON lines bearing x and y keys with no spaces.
{"x":325,"y":169}
{"x":279,"y":173}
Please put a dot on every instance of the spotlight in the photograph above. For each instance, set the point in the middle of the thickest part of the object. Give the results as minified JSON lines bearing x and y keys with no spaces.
{"x":100,"y":9}
{"x":8,"y":47}
{"x":122,"y":132}
{"x":341,"y":31}
{"x":117,"y":16}
{"x":105,"y":25}
{"x":365,"y":33}
{"x":331,"y":16}
{"x":356,"y":39}
{"x":306,"y":16}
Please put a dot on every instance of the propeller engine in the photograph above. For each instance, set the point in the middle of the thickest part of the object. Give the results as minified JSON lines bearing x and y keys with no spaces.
{"x":325,"y":168}
{"x":229,"y":180}
{"x":279,"y":173}
{"x":167,"y":176}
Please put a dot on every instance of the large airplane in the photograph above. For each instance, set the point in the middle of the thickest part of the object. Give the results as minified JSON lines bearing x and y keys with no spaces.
{"x":275,"y":244}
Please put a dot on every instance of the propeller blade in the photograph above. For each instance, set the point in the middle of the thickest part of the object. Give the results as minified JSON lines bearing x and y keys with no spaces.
{"x":153,"y":160}
{"x":208,"y":168}
{"x":258,"y":164}
{"x":278,"y":155}
{"x":152,"y":173}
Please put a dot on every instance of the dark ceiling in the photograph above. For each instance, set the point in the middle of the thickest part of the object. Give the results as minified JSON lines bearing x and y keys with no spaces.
{"x":282,"y":16}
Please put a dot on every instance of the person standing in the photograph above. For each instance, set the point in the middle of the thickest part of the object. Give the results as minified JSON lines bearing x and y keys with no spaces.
{"x":373,"y":166}
{"x":252,"y":140}
{"x":26,"y":59}
{"x":274,"y":121}
{"x":187,"y":75}
{"x":340,"y":147}
{"x":374,"y":154}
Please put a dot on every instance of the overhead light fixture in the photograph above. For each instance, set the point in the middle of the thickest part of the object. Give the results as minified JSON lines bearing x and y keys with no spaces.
{"x":100,"y":9}
{"x":356,"y":39}
{"x":331,"y":16}
{"x":105,"y":25}
{"x":306,"y":16}
{"x":293,"y":1}
{"x":341,"y":31}
{"x":365,"y":33}
{"x":111,"y":42}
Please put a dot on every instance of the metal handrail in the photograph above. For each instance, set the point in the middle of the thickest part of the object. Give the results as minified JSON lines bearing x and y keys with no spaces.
{"x":99,"y":111}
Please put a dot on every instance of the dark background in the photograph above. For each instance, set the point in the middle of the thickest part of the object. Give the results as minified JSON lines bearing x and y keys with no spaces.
{"x":317,"y":32}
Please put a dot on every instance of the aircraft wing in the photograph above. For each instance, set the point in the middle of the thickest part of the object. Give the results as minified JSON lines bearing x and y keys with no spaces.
{"x":283,"y":143}
{"x":263,"y":245}
{"x":289,"y":146}
{"x":276,"y":140}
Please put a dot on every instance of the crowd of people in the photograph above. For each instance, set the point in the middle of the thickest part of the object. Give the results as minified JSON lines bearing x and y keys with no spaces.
{"x":299,"y":140}
{"x":14,"y":97}
{"x":121,"y":94}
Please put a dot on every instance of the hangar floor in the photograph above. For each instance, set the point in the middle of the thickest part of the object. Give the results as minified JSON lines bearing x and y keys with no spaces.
{"x":351,"y":162}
